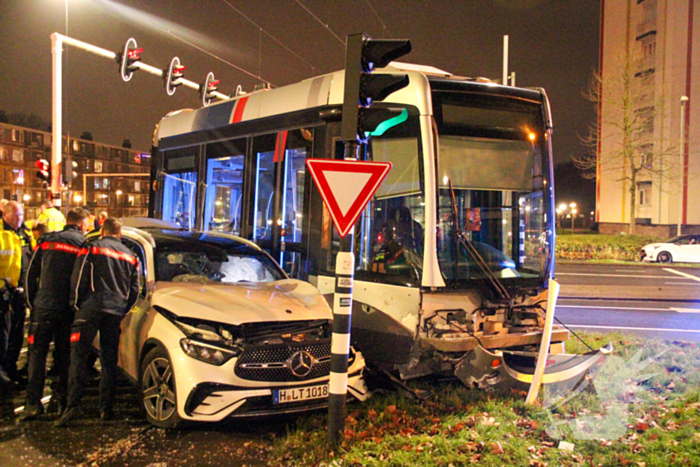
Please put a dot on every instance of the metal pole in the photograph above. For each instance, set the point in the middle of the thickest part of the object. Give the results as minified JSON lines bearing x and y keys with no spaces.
{"x":681,"y":171}
{"x":572,"y":223}
{"x":57,"y":116}
{"x":342,"y":321}
{"x":552,"y":294}
{"x":505,"y":60}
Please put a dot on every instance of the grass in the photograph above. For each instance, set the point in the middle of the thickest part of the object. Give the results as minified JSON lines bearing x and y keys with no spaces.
{"x":629,"y":414}
{"x":601,"y":247}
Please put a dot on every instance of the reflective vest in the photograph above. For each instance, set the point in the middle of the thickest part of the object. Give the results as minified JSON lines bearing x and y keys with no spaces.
{"x":11,"y":255}
{"x":53,"y":219}
{"x":91,"y":223}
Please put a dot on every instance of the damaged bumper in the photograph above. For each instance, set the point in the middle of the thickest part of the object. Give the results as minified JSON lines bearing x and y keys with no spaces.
{"x":483,"y":368}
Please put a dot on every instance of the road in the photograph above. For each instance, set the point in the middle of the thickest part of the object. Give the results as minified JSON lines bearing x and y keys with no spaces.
{"x":648,"y":300}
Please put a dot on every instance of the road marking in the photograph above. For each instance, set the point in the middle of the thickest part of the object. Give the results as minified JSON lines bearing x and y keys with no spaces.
{"x":624,"y":275}
{"x":628,"y":328}
{"x":680,"y":283}
{"x":613,"y":308}
{"x":686,"y":310}
{"x":689,"y":276}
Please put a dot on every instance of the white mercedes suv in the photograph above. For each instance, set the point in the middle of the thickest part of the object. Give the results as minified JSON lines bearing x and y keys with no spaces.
{"x":219,"y":331}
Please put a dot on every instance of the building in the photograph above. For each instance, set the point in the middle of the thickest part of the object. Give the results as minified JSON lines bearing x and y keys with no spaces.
{"x":109,"y":178}
{"x":663,"y":39}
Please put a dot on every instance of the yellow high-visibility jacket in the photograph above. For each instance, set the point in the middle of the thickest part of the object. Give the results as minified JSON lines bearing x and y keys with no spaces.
{"x":53,"y":218}
{"x":11,"y":255}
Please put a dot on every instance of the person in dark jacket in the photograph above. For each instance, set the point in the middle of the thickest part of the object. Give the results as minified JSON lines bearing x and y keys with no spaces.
{"x":104,"y":287}
{"x":48,"y":290}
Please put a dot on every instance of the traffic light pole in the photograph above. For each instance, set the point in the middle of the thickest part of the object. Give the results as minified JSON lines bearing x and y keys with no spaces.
{"x":57,"y":41}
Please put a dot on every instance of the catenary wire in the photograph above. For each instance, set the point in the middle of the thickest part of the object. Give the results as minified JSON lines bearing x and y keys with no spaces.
{"x":380,"y":19}
{"x":263,"y":31}
{"x":325,"y":25}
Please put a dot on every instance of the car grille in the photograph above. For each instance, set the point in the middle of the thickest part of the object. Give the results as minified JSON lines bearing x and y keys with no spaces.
{"x":264,"y":363}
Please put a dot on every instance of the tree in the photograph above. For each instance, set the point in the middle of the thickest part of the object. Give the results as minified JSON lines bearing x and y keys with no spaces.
{"x":31,"y":120}
{"x":623,"y":142}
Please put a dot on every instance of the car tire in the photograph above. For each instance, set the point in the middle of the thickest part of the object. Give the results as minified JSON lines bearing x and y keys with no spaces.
{"x":664,"y":257}
{"x":157,"y":390}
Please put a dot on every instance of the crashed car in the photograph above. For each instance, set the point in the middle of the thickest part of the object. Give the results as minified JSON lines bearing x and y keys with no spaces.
{"x":220,"y":331}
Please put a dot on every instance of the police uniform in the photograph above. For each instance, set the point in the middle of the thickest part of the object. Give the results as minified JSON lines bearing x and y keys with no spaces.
{"x":15,"y":252}
{"x":53,"y":218}
{"x":48,"y":292}
{"x":104,"y":287}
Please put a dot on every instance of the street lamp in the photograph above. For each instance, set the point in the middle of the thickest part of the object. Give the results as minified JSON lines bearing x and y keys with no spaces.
{"x":681,"y":153}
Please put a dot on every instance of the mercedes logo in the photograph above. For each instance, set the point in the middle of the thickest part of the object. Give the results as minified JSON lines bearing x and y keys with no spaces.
{"x":301,"y":363}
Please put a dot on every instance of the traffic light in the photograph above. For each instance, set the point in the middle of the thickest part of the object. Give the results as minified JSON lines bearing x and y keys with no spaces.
{"x":208,"y":88}
{"x":173,"y":75}
{"x":363,"y":55}
{"x":44,"y":172}
{"x":68,"y":169}
{"x":127,"y":59}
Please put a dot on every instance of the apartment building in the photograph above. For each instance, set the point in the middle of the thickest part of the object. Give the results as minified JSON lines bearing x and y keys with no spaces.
{"x":108,"y":178}
{"x":662,"y":40}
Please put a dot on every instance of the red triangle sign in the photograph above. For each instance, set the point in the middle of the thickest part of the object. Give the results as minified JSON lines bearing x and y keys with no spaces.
{"x":346,"y":187}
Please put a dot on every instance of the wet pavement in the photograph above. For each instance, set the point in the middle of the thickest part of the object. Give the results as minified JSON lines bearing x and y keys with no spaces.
{"x":129,"y":440}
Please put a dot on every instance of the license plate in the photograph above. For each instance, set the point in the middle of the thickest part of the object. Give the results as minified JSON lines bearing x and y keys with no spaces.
{"x":282,"y":396}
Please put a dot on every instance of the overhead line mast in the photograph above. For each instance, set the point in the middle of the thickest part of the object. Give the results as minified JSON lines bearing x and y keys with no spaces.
{"x":129,"y":61}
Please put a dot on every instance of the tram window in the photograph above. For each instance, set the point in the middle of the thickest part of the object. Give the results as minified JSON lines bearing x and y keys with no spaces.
{"x":180,"y":187}
{"x":224,"y":196}
{"x":263,"y":199}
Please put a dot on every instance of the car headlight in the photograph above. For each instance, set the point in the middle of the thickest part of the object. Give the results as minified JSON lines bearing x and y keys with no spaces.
{"x":206,"y":352}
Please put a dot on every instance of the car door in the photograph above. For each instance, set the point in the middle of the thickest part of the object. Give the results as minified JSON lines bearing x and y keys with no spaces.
{"x":693,"y":249}
{"x":134,"y":321}
{"x":684,"y":248}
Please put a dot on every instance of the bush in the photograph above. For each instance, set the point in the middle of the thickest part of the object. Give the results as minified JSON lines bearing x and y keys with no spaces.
{"x":601,"y":247}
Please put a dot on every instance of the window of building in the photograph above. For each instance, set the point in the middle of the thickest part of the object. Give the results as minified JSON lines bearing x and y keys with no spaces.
{"x":18,"y":155}
{"x":17,"y":136}
{"x":644,"y":195}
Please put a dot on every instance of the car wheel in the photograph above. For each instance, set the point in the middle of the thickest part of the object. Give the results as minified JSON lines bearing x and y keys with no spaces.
{"x":664,"y":257}
{"x":158,"y":395}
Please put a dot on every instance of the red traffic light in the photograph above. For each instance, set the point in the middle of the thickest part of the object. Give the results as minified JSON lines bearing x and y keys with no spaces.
{"x":43,"y":165}
{"x":133,"y":54}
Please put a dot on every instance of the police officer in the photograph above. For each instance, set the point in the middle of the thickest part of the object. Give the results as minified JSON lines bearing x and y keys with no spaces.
{"x":52,"y":316}
{"x":16,"y":245}
{"x":52,"y":217}
{"x":104,"y":287}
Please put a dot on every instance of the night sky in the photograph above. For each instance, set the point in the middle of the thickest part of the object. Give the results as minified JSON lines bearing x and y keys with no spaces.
{"x":553,"y":44}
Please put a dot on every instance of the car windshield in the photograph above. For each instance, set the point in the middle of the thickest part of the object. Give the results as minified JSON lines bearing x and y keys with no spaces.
{"x":682,"y":240}
{"x":182,"y":256}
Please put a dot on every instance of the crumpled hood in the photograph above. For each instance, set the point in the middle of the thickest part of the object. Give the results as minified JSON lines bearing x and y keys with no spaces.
{"x":285,"y":300}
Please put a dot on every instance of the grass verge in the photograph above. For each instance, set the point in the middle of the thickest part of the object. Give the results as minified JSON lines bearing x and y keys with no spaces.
{"x":642,"y":408}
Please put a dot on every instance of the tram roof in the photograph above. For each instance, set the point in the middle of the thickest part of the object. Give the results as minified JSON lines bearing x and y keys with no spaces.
{"x":326,"y":90}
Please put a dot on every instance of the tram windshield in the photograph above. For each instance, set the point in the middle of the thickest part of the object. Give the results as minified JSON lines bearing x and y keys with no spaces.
{"x":493,"y":154}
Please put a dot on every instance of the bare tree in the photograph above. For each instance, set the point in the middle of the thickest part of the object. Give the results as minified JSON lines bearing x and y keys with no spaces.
{"x":628,"y":110}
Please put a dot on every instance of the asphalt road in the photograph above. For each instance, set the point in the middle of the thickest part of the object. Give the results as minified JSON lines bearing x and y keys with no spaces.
{"x":649,"y":300}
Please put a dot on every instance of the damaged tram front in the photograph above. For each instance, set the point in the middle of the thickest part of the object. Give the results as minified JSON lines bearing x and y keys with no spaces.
{"x":454,"y":251}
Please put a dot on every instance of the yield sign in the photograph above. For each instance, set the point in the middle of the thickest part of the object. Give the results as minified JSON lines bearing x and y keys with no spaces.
{"x":346,"y":187}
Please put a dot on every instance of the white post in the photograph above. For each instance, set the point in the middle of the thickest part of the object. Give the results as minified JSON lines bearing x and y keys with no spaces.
{"x":681,"y":154}
{"x":57,"y":118}
{"x":505,"y":60}
{"x":537,"y":378}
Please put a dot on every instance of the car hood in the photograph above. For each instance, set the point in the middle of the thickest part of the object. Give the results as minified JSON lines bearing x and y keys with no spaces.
{"x":285,"y":300}
{"x":655,"y":245}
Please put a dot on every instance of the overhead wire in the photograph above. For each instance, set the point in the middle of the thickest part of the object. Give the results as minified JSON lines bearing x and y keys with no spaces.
{"x":325,"y":25}
{"x":380,"y":19}
{"x":191,"y":44}
{"x":263,"y":31}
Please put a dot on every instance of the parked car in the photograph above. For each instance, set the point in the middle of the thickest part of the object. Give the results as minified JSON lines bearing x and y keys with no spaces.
{"x":219,"y":331}
{"x":685,"y":248}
